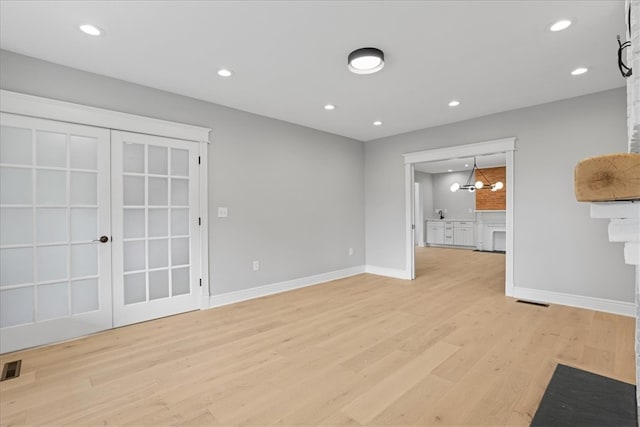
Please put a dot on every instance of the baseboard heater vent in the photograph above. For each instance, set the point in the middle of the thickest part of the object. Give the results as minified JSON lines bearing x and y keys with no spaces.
{"x":11,"y":370}
{"x":541,"y":304}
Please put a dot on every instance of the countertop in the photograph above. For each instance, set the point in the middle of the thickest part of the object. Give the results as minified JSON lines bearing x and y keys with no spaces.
{"x":450,"y":219}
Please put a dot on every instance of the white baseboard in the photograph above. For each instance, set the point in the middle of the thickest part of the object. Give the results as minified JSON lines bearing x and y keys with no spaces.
{"x":276,"y":288}
{"x":580,"y":301}
{"x":389,"y":272}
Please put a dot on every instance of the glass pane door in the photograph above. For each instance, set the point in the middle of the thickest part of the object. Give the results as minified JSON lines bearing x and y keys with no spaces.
{"x":55,"y":273}
{"x":155,"y":227}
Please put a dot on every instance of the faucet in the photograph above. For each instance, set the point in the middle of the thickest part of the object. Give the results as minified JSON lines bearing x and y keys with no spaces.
{"x":441,"y":214}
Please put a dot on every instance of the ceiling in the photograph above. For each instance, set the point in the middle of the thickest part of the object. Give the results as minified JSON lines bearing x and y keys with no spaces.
{"x":465,"y":163}
{"x":289,"y":57}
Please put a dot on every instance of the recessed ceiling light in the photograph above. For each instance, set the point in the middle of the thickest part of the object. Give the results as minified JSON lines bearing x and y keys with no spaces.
{"x":449,"y":170}
{"x":92,"y":30}
{"x":466,"y":165}
{"x":366,"y":60}
{"x":578,"y":71}
{"x":329,"y":107}
{"x":454,"y":103}
{"x":560,"y":25}
{"x":223,"y":72}
{"x":377,"y":123}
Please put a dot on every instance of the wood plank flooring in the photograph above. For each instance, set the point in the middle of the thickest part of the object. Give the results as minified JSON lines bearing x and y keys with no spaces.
{"x":445,"y":349}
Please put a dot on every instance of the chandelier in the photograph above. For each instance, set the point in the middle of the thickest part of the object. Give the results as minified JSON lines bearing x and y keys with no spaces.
{"x":478,"y":185}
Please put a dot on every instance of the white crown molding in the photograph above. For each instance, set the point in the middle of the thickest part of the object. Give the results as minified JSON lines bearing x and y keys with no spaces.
{"x":45,"y":108}
{"x":598,"y":304}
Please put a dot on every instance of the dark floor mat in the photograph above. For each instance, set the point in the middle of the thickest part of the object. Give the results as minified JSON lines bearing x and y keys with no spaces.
{"x":582,"y":399}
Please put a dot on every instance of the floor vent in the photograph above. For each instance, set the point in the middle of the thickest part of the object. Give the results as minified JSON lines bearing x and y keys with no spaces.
{"x":541,"y":304}
{"x":11,"y":370}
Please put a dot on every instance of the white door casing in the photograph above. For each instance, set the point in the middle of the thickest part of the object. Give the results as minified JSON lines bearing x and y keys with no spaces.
{"x":505,"y":145}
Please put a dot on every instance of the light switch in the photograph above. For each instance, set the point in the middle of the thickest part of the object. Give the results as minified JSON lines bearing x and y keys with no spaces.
{"x":223,"y":212}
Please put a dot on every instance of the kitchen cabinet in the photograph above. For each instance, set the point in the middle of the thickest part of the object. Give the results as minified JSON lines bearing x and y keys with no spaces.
{"x":450,"y":233}
{"x":435,"y":232}
{"x":463,"y":233}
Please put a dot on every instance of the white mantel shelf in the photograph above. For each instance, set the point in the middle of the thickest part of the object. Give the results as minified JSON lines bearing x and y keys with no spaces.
{"x":624,"y":225}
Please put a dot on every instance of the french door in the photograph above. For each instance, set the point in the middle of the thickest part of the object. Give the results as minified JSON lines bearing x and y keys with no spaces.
{"x":98,"y":229}
{"x":155,"y":227}
{"x":55,"y":273}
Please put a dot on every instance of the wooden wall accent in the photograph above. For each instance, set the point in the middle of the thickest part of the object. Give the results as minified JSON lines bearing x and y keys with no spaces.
{"x":488,"y":200}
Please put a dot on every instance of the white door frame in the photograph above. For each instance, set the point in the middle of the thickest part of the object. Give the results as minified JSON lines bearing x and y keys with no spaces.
{"x":505,"y":145}
{"x":46,"y":108}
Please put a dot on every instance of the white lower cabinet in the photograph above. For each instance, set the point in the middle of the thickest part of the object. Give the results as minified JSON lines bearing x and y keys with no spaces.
{"x":463,"y":233}
{"x":435,"y":232}
{"x":451,"y":233}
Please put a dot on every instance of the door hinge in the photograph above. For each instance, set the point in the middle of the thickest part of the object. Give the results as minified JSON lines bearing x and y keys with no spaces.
{"x":413,"y":226}
{"x":200,"y":282}
{"x":199,"y":221}
{"x":198,"y":159}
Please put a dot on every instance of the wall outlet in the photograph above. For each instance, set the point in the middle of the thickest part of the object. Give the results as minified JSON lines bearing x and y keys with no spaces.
{"x":445,"y":211}
{"x":350,"y":251}
{"x":470,"y":210}
{"x":223,"y":212}
{"x":256,"y":265}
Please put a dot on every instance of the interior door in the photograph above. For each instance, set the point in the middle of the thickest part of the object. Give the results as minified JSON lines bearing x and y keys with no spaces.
{"x":55,"y":272}
{"x":155,"y":227}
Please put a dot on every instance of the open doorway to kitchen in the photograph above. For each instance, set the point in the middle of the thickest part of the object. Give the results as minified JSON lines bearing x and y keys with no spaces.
{"x":456,"y":211}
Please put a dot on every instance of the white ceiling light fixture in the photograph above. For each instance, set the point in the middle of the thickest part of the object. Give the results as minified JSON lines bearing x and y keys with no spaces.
{"x":366,"y":60}
{"x":329,"y":107}
{"x":223,"y":72}
{"x":478,"y":185}
{"x":377,"y":123}
{"x":579,"y":71}
{"x":91,"y":30}
{"x":454,"y":103}
{"x":560,"y":25}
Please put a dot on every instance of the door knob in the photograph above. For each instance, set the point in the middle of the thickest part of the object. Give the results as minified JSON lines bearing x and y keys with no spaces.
{"x":102,"y":239}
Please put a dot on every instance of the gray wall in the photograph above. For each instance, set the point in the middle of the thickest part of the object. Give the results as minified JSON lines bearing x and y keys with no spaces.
{"x":426,"y":190}
{"x":457,"y":204}
{"x":557,"y":246}
{"x":295,"y":195}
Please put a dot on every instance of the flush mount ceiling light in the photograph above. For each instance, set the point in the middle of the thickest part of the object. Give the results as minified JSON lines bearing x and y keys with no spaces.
{"x":223,"y":72}
{"x":454,"y":103}
{"x":478,"y":185}
{"x":377,"y":123}
{"x":329,"y":107}
{"x":366,"y":60}
{"x":560,"y":25}
{"x":91,"y":30}
{"x":579,"y":71}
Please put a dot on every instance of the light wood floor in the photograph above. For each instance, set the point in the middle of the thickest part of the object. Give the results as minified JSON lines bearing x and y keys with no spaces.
{"x":445,"y":349}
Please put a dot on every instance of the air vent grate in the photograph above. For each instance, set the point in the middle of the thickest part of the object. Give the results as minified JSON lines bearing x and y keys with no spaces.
{"x":11,"y":370}
{"x":541,"y":304}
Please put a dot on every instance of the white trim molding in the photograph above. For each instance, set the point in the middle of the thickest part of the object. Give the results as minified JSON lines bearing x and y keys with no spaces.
{"x":387,"y":272}
{"x":598,"y":304}
{"x":276,"y":288}
{"x":478,"y":149}
{"x":504,"y":145}
{"x":45,"y":108}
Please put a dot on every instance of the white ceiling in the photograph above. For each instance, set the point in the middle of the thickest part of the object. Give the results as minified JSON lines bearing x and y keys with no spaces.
{"x":454,"y":165}
{"x":289,"y":57}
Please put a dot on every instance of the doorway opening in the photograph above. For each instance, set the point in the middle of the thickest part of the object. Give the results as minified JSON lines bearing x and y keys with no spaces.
{"x":461,"y":223}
